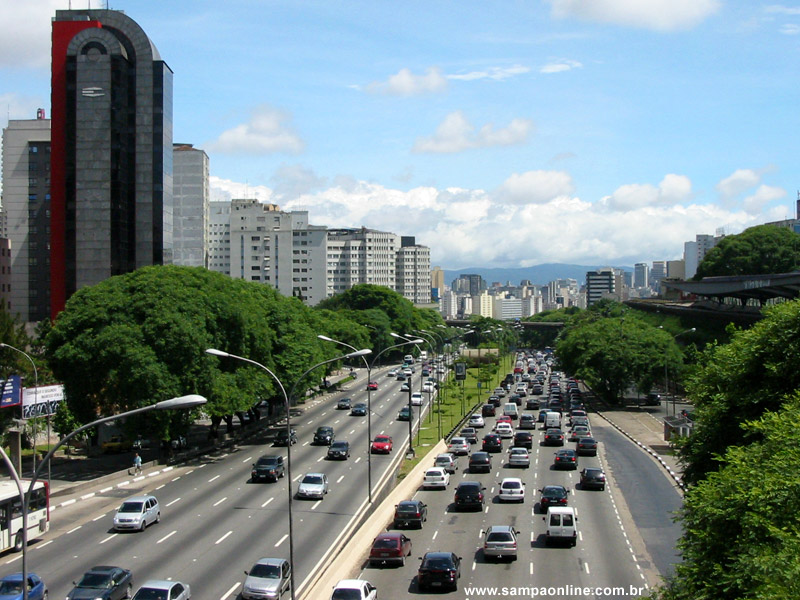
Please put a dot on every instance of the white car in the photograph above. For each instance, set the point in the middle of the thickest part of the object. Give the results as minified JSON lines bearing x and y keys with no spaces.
{"x":477,"y":421}
{"x":458,"y":446}
{"x":512,"y":489}
{"x":416,"y":399}
{"x":313,"y":485}
{"x":136,"y":513}
{"x":354,"y":589}
{"x":268,"y":578}
{"x":504,"y":430}
{"x":392,"y":373}
{"x":429,"y":387}
{"x":519,"y":457}
{"x":436,"y":477}
{"x":156,"y":588}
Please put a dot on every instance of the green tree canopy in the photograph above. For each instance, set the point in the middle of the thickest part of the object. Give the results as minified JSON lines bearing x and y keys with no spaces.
{"x":758,"y":250}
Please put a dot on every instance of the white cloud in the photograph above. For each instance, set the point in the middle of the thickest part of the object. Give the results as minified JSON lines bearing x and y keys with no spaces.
{"x":225,"y":190}
{"x":495,"y":73}
{"x":405,"y":83}
{"x":790,"y":29}
{"x":535,"y":187}
{"x":560,"y":65}
{"x":456,"y":134}
{"x":782,"y":10}
{"x":672,"y":190}
{"x":660,"y":15}
{"x":25,"y":32}
{"x":737,"y":183}
{"x":755,"y":203}
{"x":267,"y":132}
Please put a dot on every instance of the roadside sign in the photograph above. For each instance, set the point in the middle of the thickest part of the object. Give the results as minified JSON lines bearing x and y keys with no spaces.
{"x":12,"y":392}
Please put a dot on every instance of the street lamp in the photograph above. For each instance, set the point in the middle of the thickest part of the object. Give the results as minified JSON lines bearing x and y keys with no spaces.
{"x":666,"y":381}
{"x":410,"y":406}
{"x":189,"y":401}
{"x":287,"y":403}
{"x":35,"y":401}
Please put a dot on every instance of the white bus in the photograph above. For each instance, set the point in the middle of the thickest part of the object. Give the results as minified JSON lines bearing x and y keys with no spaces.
{"x":11,"y":513}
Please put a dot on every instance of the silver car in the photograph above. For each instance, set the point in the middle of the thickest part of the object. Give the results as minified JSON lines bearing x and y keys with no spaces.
{"x":519,"y":457}
{"x":157,"y":589}
{"x":501,"y":540}
{"x":269,"y":578}
{"x":136,"y":513}
{"x":313,"y":485}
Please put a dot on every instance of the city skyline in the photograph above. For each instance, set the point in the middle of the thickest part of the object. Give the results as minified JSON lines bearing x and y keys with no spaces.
{"x":500,"y":135}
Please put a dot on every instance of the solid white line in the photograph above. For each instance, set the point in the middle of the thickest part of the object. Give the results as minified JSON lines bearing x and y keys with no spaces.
{"x":230,"y":591}
{"x":223,"y":537}
{"x":218,"y":502}
{"x":166,"y":537}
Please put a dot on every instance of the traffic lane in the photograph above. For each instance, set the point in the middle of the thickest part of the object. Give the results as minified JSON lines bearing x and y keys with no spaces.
{"x":651,"y":497}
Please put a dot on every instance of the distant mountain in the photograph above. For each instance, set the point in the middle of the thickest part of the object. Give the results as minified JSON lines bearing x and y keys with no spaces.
{"x":538,"y":275}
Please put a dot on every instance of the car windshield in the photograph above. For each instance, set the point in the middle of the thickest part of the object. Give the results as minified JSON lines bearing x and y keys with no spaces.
{"x":443,"y":460}
{"x":267,"y":462}
{"x":384,"y":543}
{"x":381,"y":440}
{"x":95,"y":580}
{"x":554,"y":492}
{"x":499,"y":536}
{"x":346,"y":595}
{"x":10,"y":587}
{"x":402,"y":508}
{"x":324,"y":430}
{"x":339,"y":445}
{"x":266,"y":571}
{"x":131,"y":507}
{"x":313,"y":479}
{"x":519,"y":451}
{"x":436,"y":563}
{"x":151,"y":594}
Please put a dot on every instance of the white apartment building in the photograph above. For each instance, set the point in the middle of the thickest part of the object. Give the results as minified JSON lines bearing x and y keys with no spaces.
{"x":190,"y":213}
{"x":219,"y":237}
{"x":482,"y":304}
{"x":361,"y":256}
{"x":532,"y":305}
{"x":448,"y":304}
{"x":694,"y":252}
{"x":506,"y":308}
{"x":412,"y":271}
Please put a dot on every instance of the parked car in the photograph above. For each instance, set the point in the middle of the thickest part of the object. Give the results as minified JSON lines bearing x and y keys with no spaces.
{"x":512,"y":489}
{"x":389,"y":547}
{"x":593,"y":478}
{"x":136,"y":513}
{"x":269,"y":467}
{"x":519,"y":457}
{"x":284,"y":438}
{"x":268,"y":578}
{"x":436,"y":477}
{"x":313,"y":485}
{"x":354,"y":589}
{"x":469,"y":494}
{"x":480,"y":462}
{"x":500,"y":541}
{"x":102,"y":583}
{"x":11,"y":587}
{"x":553,"y":495}
{"x":439,"y":570}
{"x":565,"y":459}
{"x":339,"y":450}
{"x":586,"y":446}
{"x":156,"y":588}
{"x":324,"y":436}
{"x":410,"y":512}
{"x":382,"y":444}
{"x":359,"y":409}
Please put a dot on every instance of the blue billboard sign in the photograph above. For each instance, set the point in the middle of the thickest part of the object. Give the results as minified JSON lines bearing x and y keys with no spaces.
{"x":12,"y":392}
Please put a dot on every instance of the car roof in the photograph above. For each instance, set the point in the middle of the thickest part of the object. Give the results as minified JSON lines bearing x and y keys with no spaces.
{"x":160,"y":584}
{"x":103,"y":569}
{"x":469,"y":484}
{"x":271,"y":561}
{"x":141,"y":498}
{"x":505,"y":479}
{"x":438,"y":555}
{"x":389,"y":535}
{"x":559,"y":487}
{"x":350,"y":584}
{"x":507,"y":528}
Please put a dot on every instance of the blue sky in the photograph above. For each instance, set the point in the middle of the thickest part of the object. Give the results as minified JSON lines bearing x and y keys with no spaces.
{"x":503,"y":133}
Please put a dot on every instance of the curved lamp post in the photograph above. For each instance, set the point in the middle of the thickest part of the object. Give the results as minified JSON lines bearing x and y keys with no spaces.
{"x":287,"y":403}
{"x":189,"y":401}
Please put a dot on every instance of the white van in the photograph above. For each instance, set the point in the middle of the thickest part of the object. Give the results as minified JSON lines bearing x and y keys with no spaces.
{"x":552,"y":420}
{"x":408,"y":359}
{"x":510,"y":410}
{"x":562,"y":525}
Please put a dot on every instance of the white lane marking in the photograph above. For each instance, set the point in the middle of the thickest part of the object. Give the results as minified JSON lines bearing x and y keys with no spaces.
{"x":173,"y":502}
{"x":111,"y":537}
{"x":309,"y":423}
{"x":74,"y":529}
{"x":356,"y":461}
{"x":213,"y":478}
{"x":280,"y":541}
{"x":340,"y":479}
{"x":586,"y":567}
{"x":435,"y":533}
{"x":248,"y":459}
{"x":106,"y":489}
{"x":267,"y":502}
{"x":296,"y":478}
{"x":352,"y":431}
{"x":45,"y":544}
{"x":223,"y":537}
{"x":176,"y":478}
{"x":530,"y":568}
{"x":98,"y":518}
{"x":230,"y":591}
{"x":166,"y":537}
{"x":218,"y":502}
{"x":316,"y":504}
{"x":68,"y":502}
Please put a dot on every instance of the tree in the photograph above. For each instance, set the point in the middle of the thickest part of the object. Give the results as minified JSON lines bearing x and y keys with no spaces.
{"x":756,"y":251}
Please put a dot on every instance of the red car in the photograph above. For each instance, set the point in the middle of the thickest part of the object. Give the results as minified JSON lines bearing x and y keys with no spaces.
{"x":382,"y":444}
{"x":372,"y":385}
{"x":503,"y":419}
{"x":390,"y":547}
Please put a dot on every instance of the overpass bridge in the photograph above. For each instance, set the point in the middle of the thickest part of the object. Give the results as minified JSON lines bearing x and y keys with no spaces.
{"x":541,"y":325}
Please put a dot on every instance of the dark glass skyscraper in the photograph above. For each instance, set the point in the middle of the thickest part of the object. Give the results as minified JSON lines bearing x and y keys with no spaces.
{"x":111,"y":169}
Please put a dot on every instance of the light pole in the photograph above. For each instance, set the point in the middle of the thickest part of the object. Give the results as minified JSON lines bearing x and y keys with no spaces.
{"x":666,"y":381}
{"x":35,"y":401}
{"x":410,"y":406}
{"x":369,"y":403}
{"x":287,"y":404}
{"x":189,"y":401}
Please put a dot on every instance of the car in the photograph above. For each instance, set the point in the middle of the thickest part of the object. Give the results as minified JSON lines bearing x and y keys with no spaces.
{"x":401,"y":376}
{"x":284,"y":438}
{"x":470,"y":434}
{"x":477,"y":421}
{"x":338,"y":450}
{"x":354,"y":589}
{"x":586,"y":446}
{"x":136,"y":513}
{"x":404,"y":414}
{"x":458,"y":446}
{"x":500,"y":541}
{"x":504,"y":430}
{"x":576,"y":412}
{"x":269,"y":467}
{"x":416,"y":399}
{"x":488,"y":410}
{"x":519,"y":457}
{"x":578,"y":421}
{"x":435,"y":477}
{"x":553,"y":437}
{"x":102,"y":583}
{"x":512,"y":489}
{"x":523,"y":439}
{"x":593,"y":478}
{"x":382,"y":444}
{"x":426,"y":372}
{"x":553,"y":495}
{"x":116,"y":443}
{"x":409,"y":370}
{"x":439,"y":570}
{"x":323,"y":436}
{"x":372,"y":386}
{"x":578,"y":432}
{"x":11,"y":587}
{"x":359,"y":409}
{"x":503,"y":419}
{"x":389,"y":547}
{"x":410,"y":512}
{"x":343,"y":404}
{"x":469,"y":494}
{"x":268,"y":578}
{"x":542,"y":416}
{"x":406,"y":387}
{"x":526,"y":421}
{"x":494,"y":401}
{"x":492,"y":443}
{"x":391,"y":373}
{"x":480,"y":462}
{"x":429,"y":387}
{"x":446,"y":461}
{"x":565,"y":459}
{"x":500,"y":392}
{"x":313,"y":485}
{"x":157,"y":588}
{"x":652,"y":399}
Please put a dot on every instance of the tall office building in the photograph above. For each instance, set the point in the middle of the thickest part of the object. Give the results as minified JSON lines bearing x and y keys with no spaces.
{"x":641,"y":275}
{"x":412,"y":271}
{"x":219,"y":237}
{"x":600,"y":284}
{"x":469,"y":283}
{"x":26,"y":205}
{"x":694,"y":252}
{"x":111,"y":159}
{"x":437,"y":283}
{"x":190,"y":192}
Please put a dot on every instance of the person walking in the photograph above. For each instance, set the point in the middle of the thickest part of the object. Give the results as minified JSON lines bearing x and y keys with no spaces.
{"x":137,"y":464}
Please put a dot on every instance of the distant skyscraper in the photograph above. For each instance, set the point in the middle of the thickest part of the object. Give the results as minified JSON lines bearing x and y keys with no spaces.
{"x":641,"y":275}
{"x":657,"y":272}
{"x":437,"y":283}
{"x":600,"y":284}
{"x":190,"y":191}
{"x":111,"y":174}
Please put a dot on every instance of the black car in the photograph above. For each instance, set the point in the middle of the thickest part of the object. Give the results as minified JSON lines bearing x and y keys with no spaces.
{"x":593,"y":478}
{"x":553,"y":495}
{"x":480,"y":462}
{"x":284,"y":439}
{"x":404,"y":414}
{"x":323,"y":436}
{"x":469,"y":494}
{"x":359,"y":409}
{"x":492,"y":443}
{"x":553,"y":437}
{"x":523,"y":439}
{"x":410,"y":512}
{"x":108,"y":583}
{"x":439,"y":570}
{"x":268,"y":468}
{"x":586,"y":446}
{"x":339,"y":450}
{"x":566,"y":459}
{"x":532,"y":404}
{"x":343,"y":404}
{"x":488,"y":410}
